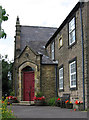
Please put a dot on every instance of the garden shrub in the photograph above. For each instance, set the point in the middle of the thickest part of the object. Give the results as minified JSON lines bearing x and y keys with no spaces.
{"x":52,"y":102}
{"x":12,"y":93}
{"x":5,"y":113}
{"x":12,"y":99}
{"x":39,"y":94}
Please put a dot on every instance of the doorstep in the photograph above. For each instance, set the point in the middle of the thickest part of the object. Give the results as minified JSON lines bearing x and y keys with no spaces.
{"x":24,"y":103}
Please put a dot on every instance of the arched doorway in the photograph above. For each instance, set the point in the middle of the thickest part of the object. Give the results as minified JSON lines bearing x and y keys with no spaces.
{"x":28,"y":83}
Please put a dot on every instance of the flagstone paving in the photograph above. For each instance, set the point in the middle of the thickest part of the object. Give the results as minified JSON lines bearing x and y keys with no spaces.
{"x":46,"y":112}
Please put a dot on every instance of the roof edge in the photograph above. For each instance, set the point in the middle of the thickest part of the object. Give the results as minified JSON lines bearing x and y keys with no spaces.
{"x":49,"y":63}
{"x":25,"y":49}
{"x":38,"y":26}
{"x":77,"y":6}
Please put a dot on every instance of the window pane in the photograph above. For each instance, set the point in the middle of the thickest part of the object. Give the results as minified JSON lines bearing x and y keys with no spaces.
{"x":72,"y":31}
{"x":71,"y":83}
{"x":73,"y":68}
{"x":61,"y":72}
{"x":73,"y":77}
{"x":52,"y":55}
{"x":74,"y":82}
{"x":61,"y":78}
{"x":70,"y":38}
{"x":72,"y":25}
{"x":61,"y":81}
{"x":60,"y":42}
{"x":73,"y":74}
{"x":61,"y":86}
{"x":52,"y":50}
{"x":53,"y":46}
{"x":73,"y":37}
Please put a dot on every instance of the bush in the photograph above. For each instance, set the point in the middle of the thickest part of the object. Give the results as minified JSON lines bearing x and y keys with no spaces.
{"x":4,"y":111}
{"x":39,"y":94}
{"x":12,"y":99}
{"x":12,"y":93}
{"x":52,"y":102}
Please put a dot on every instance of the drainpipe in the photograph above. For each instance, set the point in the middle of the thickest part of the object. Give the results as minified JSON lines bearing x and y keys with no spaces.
{"x":82,"y":54}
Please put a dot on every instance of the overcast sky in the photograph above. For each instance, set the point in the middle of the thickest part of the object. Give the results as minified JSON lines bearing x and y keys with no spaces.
{"x":48,"y":13}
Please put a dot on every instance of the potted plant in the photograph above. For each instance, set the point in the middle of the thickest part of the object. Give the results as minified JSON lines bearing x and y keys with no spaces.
{"x":12,"y":99}
{"x":69,"y":104}
{"x":58,"y":102}
{"x":52,"y":101}
{"x":39,"y":99}
{"x":79,"y":105}
{"x":62,"y":104}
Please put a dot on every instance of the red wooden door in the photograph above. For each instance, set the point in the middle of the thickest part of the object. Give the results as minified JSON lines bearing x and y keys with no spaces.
{"x":28,"y":86}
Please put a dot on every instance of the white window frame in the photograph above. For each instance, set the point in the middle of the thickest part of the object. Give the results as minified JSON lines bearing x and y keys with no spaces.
{"x":73,"y":73}
{"x":61,"y":78}
{"x":60,"y":42}
{"x":52,"y":50}
{"x":72,"y":31}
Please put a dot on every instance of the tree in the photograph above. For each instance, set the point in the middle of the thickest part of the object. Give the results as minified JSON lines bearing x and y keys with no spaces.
{"x":3,"y":17}
{"x":7,"y":67}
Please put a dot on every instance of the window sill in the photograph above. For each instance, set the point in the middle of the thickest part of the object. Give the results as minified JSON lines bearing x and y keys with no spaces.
{"x":73,"y":88}
{"x":61,"y":90}
{"x":60,"y":47}
{"x":70,"y":46}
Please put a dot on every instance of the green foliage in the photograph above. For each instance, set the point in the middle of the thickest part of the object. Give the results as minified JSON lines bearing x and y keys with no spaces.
{"x":2,"y":34}
{"x":4,"y":111}
{"x":51,"y":102}
{"x":12,"y":93}
{"x":39,"y":94}
{"x":3,"y":17}
{"x":7,"y":67}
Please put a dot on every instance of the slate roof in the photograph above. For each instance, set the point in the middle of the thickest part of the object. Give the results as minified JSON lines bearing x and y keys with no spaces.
{"x":36,"y":38}
{"x":47,"y":60}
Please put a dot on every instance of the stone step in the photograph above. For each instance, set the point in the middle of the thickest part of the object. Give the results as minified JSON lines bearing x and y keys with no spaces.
{"x":27,"y":103}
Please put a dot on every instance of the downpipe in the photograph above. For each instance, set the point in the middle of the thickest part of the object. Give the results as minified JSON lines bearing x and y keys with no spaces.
{"x":82,"y":54}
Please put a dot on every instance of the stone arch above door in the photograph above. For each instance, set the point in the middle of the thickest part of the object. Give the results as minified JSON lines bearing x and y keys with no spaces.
{"x":36,"y":77}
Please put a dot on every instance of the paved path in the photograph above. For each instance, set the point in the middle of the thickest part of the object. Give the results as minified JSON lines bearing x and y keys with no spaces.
{"x":46,"y":112}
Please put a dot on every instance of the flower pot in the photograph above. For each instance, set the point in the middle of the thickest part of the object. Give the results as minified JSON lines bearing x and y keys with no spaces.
{"x":62,"y":104}
{"x":80,"y":107}
{"x":69,"y":105}
{"x":58,"y":103}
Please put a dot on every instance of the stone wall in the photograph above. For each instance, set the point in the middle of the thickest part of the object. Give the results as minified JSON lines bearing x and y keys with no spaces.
{"x":27,"y":58}
{"x":87,"y":47}
{"x":66,"y":53}
{"x":48,"y":81}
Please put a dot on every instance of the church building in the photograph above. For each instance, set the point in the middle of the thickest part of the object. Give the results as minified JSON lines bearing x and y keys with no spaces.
{"x":52,"y":60}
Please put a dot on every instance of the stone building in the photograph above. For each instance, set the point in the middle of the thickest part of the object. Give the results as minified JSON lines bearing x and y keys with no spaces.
{"x":71,"y":50}
{"x":55,"y":60}
{"x":32,"y":67}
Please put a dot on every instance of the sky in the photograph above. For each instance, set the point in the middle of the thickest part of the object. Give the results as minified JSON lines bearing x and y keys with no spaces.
{"x":47,"y":13}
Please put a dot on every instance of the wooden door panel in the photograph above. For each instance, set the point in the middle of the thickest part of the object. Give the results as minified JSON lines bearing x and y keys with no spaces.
{"x":28,"y":85}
